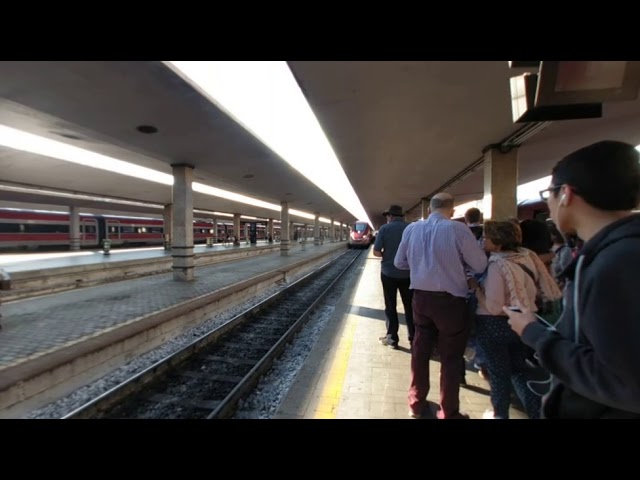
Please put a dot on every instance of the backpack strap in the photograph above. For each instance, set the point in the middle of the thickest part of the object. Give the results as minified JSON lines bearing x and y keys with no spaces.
{"x":529,"y":272}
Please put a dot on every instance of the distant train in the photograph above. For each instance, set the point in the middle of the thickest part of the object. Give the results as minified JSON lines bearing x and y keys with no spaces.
{"x":34,"y":228}
{"x":361,"y":235}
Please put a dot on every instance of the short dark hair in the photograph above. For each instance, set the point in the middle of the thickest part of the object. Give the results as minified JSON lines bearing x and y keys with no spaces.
{"x":556,"y":235}
{"x":605,"y":174}
{"x":536,"y":236}
{"x":441,"y":203}
{"x":505,"y":234}
{"x":472,"y":215}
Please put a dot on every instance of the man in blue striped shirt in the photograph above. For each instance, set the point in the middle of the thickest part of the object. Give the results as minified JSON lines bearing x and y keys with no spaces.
{"x":438,"y":252}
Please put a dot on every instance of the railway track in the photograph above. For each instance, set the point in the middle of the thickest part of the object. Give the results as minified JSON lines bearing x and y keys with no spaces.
{"x":207,"y":378}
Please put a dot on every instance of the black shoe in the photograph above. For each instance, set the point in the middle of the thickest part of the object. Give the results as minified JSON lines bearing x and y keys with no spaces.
{"x":387,"y":341}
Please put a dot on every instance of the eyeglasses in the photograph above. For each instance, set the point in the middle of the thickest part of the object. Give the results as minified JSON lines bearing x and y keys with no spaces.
{"x":545,"y":194}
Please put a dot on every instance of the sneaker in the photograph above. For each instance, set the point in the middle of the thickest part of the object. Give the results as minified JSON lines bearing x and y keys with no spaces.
{"x":490,"y":415}
{"x":456,"y":416}
{"x":426,"y":414}
{"x":388,"y":342}
{"x":482,"y":372}
{"x":469,"y":354}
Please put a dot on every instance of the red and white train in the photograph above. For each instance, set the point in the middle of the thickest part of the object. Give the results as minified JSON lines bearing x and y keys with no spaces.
{"x":361,"y":235}
{"x":34,"y":228}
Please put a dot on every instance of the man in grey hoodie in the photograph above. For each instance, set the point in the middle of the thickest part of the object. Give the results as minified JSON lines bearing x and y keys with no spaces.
{"x":592,"y":353}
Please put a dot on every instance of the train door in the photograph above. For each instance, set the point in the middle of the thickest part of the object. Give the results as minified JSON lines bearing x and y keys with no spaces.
{"x":253,"y":233}
{"x":89,"y":232}
{"x":113,"y":229}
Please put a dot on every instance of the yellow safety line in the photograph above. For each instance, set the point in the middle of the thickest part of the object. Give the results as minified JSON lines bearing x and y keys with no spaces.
{"x":329,"y":400}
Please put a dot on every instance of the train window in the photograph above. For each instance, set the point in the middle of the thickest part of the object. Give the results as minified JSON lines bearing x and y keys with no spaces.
{"x":88,"y":228}
{"x":127,"y":230}
{"x":11,"y":228}
{"x":113,"y":229}
{"x":154,"y":229}
{"x":360,"y":227}
{"x":142,"y":230}
{"x":47,"y":228}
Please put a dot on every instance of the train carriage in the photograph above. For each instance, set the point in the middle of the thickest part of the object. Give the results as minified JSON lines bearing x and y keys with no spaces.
{"x":26,"y":229}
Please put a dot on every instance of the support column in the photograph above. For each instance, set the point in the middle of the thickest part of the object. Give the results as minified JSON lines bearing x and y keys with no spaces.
{"x":500,"y":185}
{"x":215,"y":230}
{"x":305,"y":233}
{"x":316,"y":230}
{"x":167,"y":225}
{"x":75,"y":237}
{"x":236,"y":228}
{"x":284,"y":229}
{"x":425,"y":207}
{"x":332,"y":231}
{"x":270,"y":229}
{"x":182,"y":222}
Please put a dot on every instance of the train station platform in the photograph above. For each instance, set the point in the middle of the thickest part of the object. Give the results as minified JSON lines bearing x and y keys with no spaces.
{"x":350,"y":375}
{"x":35,"y":274}
{"x":50,"y":344}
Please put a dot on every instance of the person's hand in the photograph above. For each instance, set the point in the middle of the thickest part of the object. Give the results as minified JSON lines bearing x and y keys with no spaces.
{"x":473,"y":283}
{"x":519,"y":320}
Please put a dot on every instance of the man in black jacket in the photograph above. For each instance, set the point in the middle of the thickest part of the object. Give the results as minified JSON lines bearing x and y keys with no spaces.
{"x":593,"y":355}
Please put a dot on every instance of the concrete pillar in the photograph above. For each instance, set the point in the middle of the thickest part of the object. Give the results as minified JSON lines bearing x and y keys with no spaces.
{"x":316,"y":230}
{"x":500,"y":185}
{"x":215,"y":230}
{"x":246,"y":233}
{"x":424,"y":203}
{"x":236,"y":226}
{"x":74,"y":229}
{"x":182,"y":222}
{"x":270,"y":229}
{"x":332,"y":231}
{"x":284,"y":229}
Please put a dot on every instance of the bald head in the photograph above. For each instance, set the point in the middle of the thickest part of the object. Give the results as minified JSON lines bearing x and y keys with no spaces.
{"x":443,"y":203}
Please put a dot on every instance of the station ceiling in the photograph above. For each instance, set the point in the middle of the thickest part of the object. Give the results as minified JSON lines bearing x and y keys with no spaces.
{"x":401,"y":131}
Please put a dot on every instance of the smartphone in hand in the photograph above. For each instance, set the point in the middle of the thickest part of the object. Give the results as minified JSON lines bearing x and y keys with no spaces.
{"x":538,"y":317}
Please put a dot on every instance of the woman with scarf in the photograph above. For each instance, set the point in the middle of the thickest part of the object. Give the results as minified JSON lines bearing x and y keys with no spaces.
{"x":514,"y":278}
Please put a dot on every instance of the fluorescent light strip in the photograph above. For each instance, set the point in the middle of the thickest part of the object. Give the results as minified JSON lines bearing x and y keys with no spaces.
{"x":265,"y":99}
{"x":298,"y":213}
{"x":78,"y":196}
{"x":28,"y":142}
{"x":217,"y":192}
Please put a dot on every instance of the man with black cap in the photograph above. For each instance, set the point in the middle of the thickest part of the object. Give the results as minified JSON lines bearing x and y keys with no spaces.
{"x":393,"y":279}
{"x":592,"y":351}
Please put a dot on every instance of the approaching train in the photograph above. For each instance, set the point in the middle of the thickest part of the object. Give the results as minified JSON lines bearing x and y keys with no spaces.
{"x":34,"y":228}
{"x":361,"y":235}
